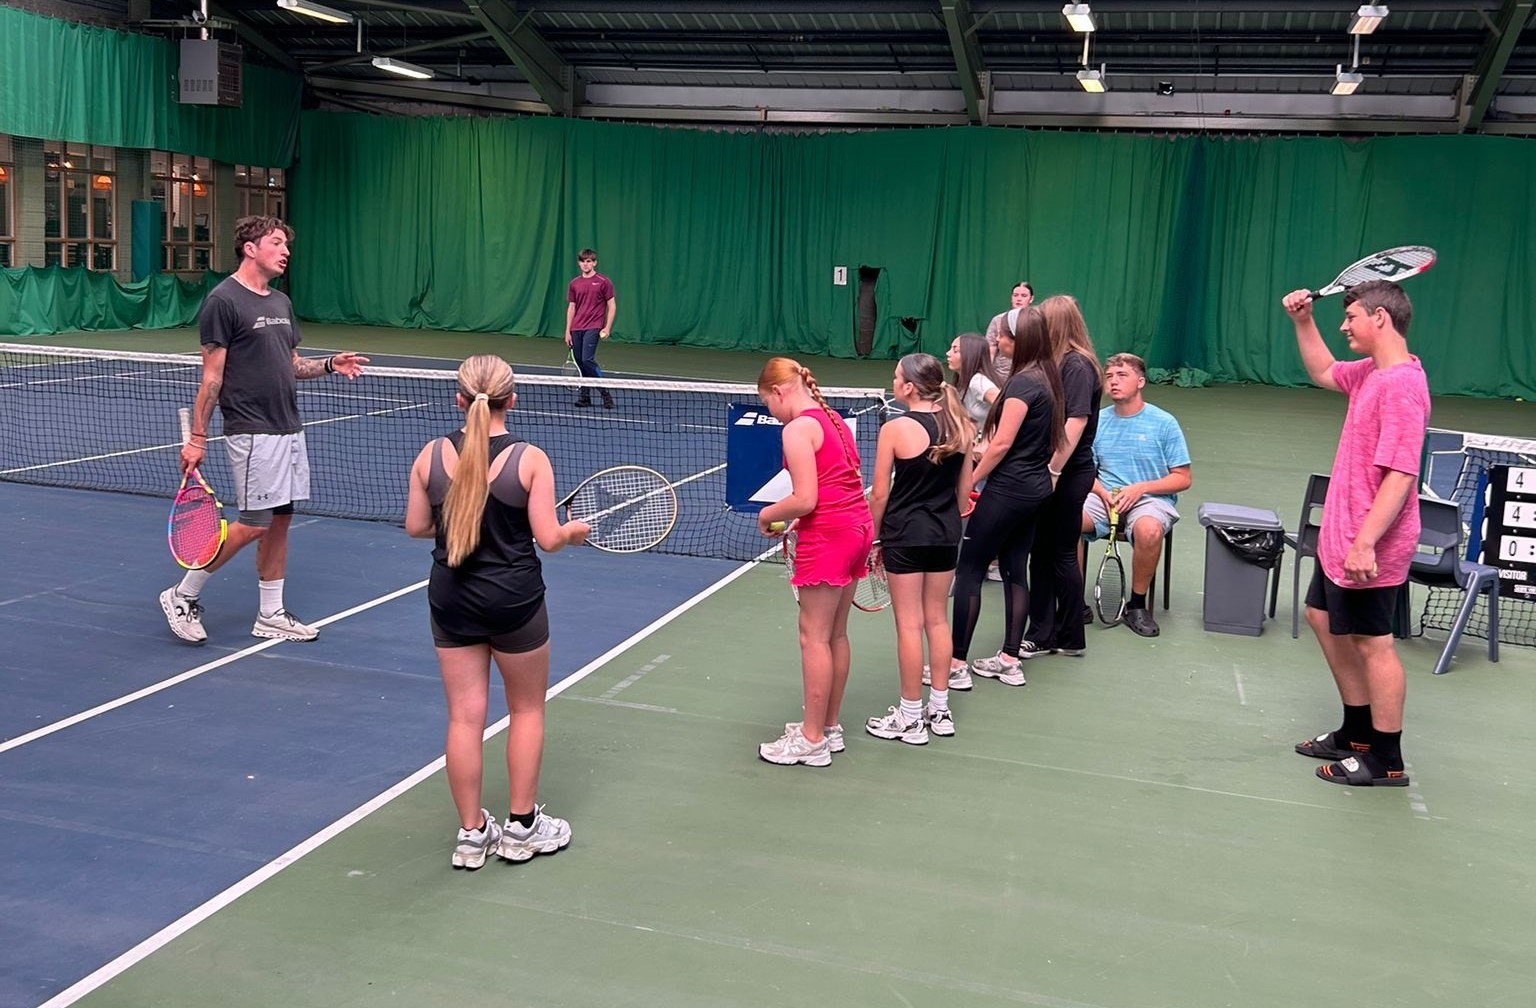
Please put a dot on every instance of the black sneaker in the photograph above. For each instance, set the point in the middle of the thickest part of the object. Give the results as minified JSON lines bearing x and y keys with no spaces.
{"x":583,"y":402}
{"x":607,"y":402}
{"x":1087,"y":614}
{"x":1141,"y":622}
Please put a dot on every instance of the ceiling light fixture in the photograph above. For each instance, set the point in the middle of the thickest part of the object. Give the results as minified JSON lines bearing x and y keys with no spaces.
{"x":1079,"y":17}
{"x":1092,"y":81}
{"x":1346,"y":81}
{"x":1367,"y":18}
{"x":315,"y":10}
{"x":402,"y":68}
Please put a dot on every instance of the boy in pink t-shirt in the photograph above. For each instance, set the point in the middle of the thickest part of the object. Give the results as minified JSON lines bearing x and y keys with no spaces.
{"x":1370,"y":527}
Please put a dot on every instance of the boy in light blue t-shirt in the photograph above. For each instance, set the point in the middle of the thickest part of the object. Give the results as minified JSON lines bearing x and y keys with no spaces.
{"x":1143,"y":464}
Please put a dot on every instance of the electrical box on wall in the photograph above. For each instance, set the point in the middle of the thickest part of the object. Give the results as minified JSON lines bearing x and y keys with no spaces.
{"x":210,"y":73}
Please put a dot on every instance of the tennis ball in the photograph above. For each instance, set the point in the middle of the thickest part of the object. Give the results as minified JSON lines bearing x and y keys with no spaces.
{"x":776,"y":526}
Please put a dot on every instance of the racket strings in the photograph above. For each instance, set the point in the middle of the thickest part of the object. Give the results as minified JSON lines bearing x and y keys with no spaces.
{"x":629,"y":510}
{"x":195,"y":527}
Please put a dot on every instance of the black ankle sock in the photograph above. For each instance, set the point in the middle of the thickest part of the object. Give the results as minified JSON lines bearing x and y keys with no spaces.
{"x":1387,"y":748}
{"x":525,"y":820}
{"x":1138,"y":600}
{"x":1357,"y":724}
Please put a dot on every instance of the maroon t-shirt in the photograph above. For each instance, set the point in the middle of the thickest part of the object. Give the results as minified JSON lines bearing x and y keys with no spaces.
{"x":590,"y":295}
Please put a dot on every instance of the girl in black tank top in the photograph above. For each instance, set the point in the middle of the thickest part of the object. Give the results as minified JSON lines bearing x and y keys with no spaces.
{"x":922,"y":473}
{"x":486,"y":599}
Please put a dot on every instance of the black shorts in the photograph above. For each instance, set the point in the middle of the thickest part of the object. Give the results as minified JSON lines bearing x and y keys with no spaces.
{"x":920,"y":559}
{"x":1363,"y":612}
{"x":530,"y":636}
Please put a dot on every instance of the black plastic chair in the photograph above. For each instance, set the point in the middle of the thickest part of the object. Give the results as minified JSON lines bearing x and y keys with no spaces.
{"x":1439,"y":564}
{"x":1304,"y":542}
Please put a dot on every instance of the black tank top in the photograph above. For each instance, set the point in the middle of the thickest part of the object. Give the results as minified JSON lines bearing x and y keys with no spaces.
{"x":502,"y":580}
{"x":923,"y":509}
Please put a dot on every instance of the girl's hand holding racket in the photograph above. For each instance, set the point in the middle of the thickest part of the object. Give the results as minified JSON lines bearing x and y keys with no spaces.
{"x":771,"y":529}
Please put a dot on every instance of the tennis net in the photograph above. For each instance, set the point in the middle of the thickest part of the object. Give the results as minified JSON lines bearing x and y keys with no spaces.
{"x":106,"y":420}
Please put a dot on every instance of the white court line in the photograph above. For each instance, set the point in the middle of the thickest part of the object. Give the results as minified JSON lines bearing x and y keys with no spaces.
{"x":172,"y":931}
{"x":123,"y":701}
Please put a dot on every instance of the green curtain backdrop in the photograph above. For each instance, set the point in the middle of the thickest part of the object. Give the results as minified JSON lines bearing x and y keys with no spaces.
{"x":1177,"y":248}
{"x":41,"y":301}
{"x":65,"y":81}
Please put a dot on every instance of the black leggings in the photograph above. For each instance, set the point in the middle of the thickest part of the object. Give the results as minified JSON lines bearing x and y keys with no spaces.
{"x":1001,"y":527}
{"x":1055,"y":579}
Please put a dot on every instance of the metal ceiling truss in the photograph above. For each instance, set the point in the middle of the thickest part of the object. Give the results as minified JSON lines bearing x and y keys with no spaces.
{"x":1512,"y":19}
{"x":552,"y":77}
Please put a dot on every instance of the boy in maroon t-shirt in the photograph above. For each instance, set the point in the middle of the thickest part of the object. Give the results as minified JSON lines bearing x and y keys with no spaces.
{"x":588,"y":318}
{"x":1370,"y":527}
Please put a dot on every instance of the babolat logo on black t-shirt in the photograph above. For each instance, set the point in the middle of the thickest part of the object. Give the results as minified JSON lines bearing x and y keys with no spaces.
{"x":263,"y":321}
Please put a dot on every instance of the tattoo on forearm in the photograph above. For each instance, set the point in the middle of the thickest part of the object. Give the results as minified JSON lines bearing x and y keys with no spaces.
{"x":309,"y":367}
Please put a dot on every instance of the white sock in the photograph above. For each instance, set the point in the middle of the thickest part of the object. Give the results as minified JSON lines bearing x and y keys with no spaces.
{"x":938,"y":699}
{"x":192,"y":583}
{"x":271,"y":597}
{"x":911,"y":709}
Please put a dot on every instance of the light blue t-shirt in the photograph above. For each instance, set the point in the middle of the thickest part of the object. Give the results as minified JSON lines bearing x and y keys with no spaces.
{"x":1138,"y":449}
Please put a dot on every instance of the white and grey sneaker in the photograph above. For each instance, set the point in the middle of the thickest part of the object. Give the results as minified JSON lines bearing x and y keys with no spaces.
{"x":1006,"y":670}
{"x":793,"y":747}
{"x":183,"y":615}
{"x":895,"y":725}
{"x":283,"y":625}
{"x":545,"y":836}
{"x":959,"y":678}
{"x":940,"y":722}
{"x":834,"y":734}
{"x":474,"y":845}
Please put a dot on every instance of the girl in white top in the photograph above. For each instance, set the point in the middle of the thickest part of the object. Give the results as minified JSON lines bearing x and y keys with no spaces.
{"x":970,"y":358}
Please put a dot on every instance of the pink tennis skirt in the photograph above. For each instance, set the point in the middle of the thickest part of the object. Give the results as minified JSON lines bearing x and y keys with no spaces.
{"x":835,"y":557}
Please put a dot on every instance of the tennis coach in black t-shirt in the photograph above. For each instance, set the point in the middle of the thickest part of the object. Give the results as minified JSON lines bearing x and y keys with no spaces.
{"x":251,"y":366}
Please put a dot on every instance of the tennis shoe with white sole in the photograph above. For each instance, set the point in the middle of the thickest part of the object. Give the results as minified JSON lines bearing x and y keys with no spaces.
{"x":793,"y":747}
{"x":283,"y":625}
{"x":833,"y":733}
{"x":473,"y":845}
{"x":1006,"y":670}
{"x":183,"y":615}
{"x":895,"y":725}
{"x":940,"y":722}
{"x":545,"y":836}
{"x":959,"y":678}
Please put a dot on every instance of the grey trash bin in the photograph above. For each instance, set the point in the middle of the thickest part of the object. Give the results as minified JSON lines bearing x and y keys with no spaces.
{"x":1235,"y":586}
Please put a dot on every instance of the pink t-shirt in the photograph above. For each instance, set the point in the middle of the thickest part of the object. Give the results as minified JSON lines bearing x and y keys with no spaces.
{"x":1384,"y":430}
{"x":840,"y":499}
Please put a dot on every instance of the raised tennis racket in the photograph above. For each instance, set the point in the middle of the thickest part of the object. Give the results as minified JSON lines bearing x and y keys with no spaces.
{"x":570,"y":368}
{"x":1391,"y":264}
{"x":1109,"y":586}
{"x":196,"y":528}
{"x":631,"y":508}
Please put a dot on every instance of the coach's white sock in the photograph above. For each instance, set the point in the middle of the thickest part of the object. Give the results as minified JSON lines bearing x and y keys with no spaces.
{"x":271,"y":597}
{"x":192,"y":583}
{"x":938,"y":699}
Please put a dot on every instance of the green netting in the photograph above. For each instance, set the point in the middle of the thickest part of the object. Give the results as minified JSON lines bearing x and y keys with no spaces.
{"x":84,"y":84}
{"x":1178,"y":248}
{"x":40,"y":301}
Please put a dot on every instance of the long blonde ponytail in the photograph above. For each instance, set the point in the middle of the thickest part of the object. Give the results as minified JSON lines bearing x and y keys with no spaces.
{"x":485,"y":383}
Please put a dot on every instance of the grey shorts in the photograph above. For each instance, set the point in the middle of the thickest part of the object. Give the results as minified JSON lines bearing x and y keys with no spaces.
{"x":271,"y":470}
{"x":1147,"y":507}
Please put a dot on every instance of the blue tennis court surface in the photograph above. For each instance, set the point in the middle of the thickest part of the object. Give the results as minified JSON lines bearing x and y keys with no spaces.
{"x":112,"y":827}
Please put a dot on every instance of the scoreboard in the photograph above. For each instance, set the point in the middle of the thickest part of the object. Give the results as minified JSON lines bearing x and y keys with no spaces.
{"x":1510,"y":542}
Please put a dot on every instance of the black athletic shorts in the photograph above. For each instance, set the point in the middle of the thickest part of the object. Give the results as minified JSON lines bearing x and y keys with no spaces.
{"x":920,"y":559}
{"x":519,"y":640}
{"x":1366,"y":612}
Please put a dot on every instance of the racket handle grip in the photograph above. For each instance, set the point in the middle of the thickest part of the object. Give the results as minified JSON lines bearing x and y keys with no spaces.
{"x":184,"y":415}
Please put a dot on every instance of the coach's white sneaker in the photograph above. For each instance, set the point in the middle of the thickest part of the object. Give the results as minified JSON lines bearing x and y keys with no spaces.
{"x":283,"y":625}
{"x":184,"y":616}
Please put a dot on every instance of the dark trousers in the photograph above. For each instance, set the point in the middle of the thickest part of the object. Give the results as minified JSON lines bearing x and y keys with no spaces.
{"x":1001,"y":527}
{"x":1055,"y":579}
{"x":584,"y":347}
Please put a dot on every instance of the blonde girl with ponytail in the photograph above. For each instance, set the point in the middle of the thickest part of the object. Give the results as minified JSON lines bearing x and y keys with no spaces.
{"x":835,"y":533}
{"x":487,"y":498}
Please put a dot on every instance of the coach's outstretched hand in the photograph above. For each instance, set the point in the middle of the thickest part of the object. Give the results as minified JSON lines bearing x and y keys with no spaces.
{"x":348,"y":363}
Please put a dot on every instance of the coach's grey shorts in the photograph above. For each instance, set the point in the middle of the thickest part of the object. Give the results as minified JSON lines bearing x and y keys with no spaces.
{"x":270,"y":469}
{"x":1147,"y":507}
